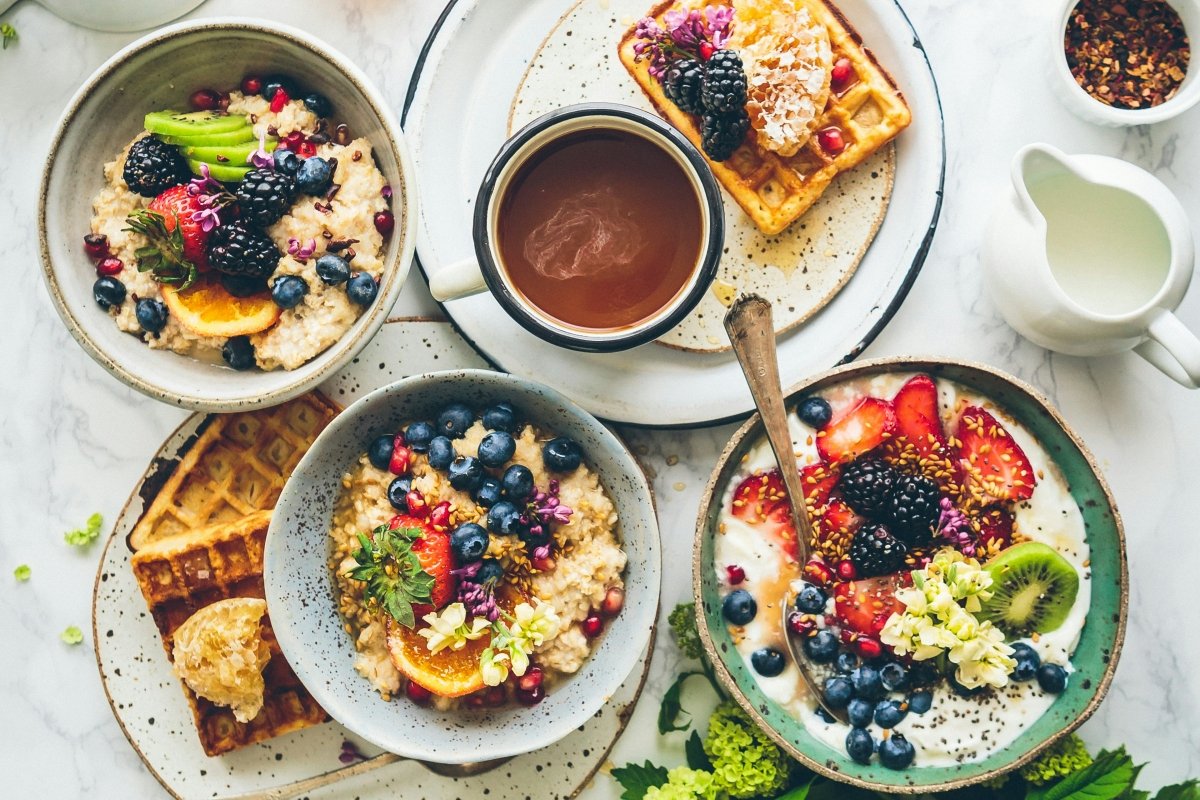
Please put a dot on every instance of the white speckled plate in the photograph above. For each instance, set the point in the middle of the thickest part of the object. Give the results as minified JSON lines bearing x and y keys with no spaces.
{"x":150,"y":707}
{"x":458,"y":115}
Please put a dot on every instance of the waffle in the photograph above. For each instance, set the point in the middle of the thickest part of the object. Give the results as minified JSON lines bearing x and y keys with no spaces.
{"x":183,"y":573}
{"x":237,"y":466}
{"x":776,"y":191}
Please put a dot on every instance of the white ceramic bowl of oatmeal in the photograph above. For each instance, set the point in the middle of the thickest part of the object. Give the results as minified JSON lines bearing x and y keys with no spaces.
{"x":303,"y":596}
{"x":159,"y":71}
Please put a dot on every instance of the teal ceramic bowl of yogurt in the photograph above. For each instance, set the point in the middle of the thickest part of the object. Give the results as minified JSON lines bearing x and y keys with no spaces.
{"x":1002,"y":470}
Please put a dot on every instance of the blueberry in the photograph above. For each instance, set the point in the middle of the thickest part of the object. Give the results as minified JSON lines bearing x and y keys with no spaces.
{"x":811,"y":600}
{"x":380,"y":451}
{"x":824,"y":715}
{"x":286,"y":161}
{"x":454,"y":420}
{"x":488,"y":493}
{"x":490,"y":571}
{"x":238,"y":352}
{"x":1052,"y":678}
{"x":418,"y":435}
{"x":243,"y":285}
{"x":845,"y":662}
{"x":959,"y":688}
{"x":860,"y":711}
{"x":895,"y":752}
{"x":867,"y":683}
{"x":924,"y":673}
{"x":894,"y":676}
{"x":314,"y":176}
{"x":504,"y":519}
{"x":814,"y":412}
{"x":468,"y":542}
{"x":318,"y":104}
{"x":920,"y":702}
{"x":1027,"y":660}
{"x":441,"y":452}
{"x":333,"y":269}
{"x":273,"y":83}
{"x":517,"y":482}
{"x":822,"y":647}
{"x":767,"y":661}
{"x":562,"y":455}
{"x":108,"y":292}
{"x":860,"y":745}
{"x":889,"y":713}
{"x":151,"y":314}
{"x":497,"y":448}
{"x":500,"y":417}
{"x":362,"y":289}
{"x":739,"y":607}
{"x":397,"y":493}
{"x":466,"y":473}
{"x":838,"y":691}
{"x":288,"y":291}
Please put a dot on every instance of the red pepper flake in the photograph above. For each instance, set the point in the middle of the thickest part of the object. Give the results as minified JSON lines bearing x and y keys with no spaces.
{"x":1130,"y":54}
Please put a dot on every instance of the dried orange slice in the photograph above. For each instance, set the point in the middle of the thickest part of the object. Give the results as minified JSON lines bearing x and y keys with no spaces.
{"x":207,"y":309}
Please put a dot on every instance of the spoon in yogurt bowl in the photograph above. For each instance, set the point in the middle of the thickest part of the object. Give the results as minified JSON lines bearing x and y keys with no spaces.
{"x":752,"y":335}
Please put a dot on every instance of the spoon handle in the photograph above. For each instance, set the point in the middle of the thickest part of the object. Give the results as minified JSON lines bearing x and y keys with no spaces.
{"x":306,"y":785}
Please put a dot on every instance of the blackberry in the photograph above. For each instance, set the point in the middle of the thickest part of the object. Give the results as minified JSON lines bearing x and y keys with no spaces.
{"x":912,"y":508}
{"x":866,"y":485}
{"x":875,"y":551}
{"x":681,"y":83}
{"x":237,"y":250}
{"x":265,"y":195}
{"x":723,"y":89}
{"x":722,"y":134}
{"x":153,"y":166}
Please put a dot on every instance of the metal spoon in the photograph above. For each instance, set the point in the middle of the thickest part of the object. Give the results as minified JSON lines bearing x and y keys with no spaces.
{"x":752,"y":334}
{"x":301,"y":787}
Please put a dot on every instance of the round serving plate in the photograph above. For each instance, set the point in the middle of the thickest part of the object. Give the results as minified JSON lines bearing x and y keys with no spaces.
{"x":149,"y":705}
{"x":459,"y":111}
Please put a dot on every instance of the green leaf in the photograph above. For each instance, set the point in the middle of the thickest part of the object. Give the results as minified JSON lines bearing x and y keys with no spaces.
{"x":797,"y":792}
{"x":163,"y":256}
{"x":22,"y":572}
{"x":392,"y":572}
{"x":83,"y":537}
{"x":8,"y":35}
{"x":1110,"y":776}
{"x":637,"y":780}
{"x":696,"y":757}
{"x":1188,"y":790}
{"x":832,"y":790}
{"x":671,"y":709}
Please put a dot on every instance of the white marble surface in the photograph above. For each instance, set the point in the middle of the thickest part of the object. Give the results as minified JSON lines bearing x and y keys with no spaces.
{"x":73,"y":440}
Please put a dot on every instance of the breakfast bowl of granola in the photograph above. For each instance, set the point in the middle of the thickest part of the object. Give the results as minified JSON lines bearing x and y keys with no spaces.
{"x":464,"y":567}
{"x":226,"y":213}
{"x":961,"y":602}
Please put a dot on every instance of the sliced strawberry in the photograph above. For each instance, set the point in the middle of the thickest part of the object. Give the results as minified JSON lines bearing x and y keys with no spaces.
{"x":917,"y":418}
{"x":990,"y":459}
{"x":860,"y":430}
{"x":177,"y":207}
{"x":433,"y":551}
{"x":995,"y":529}
{"x":761,"y":502}
{"x":818,"y":481}
{"x":834,"y":525}
{"x":863,"y":606}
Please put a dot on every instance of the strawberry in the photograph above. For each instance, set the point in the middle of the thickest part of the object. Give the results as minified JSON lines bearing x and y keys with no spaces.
{"x":864,"y":606}
{"x":761,"y":502}
{"x":857,"y":431}
{"x":990,"y":459}
{"x":834,"y":524}
{"x":177,"y":207}
{"x":818,"y":481}
{"x":995,"y":529}
{"x":433,"y":551}
{"x":917,"y":418}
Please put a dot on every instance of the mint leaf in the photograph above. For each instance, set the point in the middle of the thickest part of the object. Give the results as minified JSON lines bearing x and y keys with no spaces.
{"x":83,"y":537}
{"x":22,"y":572}
{"x":1110,"y":776}
{"x":672,"y":709}
{"x":637,"y":780}
{"x":696,"y":757}
{"x":392,"y":572}
{"x":1189,"y":790}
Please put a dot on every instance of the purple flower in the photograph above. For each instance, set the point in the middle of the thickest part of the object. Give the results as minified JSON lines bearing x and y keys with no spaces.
{"x":467,"y":572}
{"x":647,"y":28}
{"x":547,"y":508}
{"x":686,"y":29}
{"x":301,"y":253}
{"x":350,"y":753}
{"x":208,"y":217}
{"x":542,"y":552}
{"x":719,"y":20}
{"x":955,"y":528}
{"x":260,"y":158}
{"x":204,"y":184}
{"x":479,"y":600}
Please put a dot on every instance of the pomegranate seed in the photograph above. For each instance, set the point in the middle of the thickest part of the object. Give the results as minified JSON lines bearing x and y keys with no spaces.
{"x":385,"y":222}
{"x":294,"y":139}
{"x":532,"y":697}
{"x":475,"y":701}
{"x":110,"y":266}
{"x":401,"y":457}
{"x":306,"y":149}
{"x":847,"y":636}
{"x":532,"y":679}
{"x":735,"y":574}
{"x":546,"y":564}
{"x":439,"y":517}
{"x":801,"y":624}
{"x":279,"y":100}
{"x":223,"y":101}
{"x":613,"y":602}
{"x":868,"y":647}
{"x":95,"y":245}
{"x":204,"y":100}
{"x":706,"y":50}
{"x":831,"y":141}
{"x":818,"y":572}
{"x":841,"y":75}
{"x":417,"y":693}
{"x":251,"y":84}
{"x":593,"y":626}
{"x":417,"y":507}
{"x":846,"y":570}
{"x":495,"y":697}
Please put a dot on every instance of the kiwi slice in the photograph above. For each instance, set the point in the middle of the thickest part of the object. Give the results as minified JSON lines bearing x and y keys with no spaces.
{"x":1034,"y":587}
{"x":225,"y":173}
{"x":239,"y":136}
{"x":232,"y":155}
{"x":175,"y":123}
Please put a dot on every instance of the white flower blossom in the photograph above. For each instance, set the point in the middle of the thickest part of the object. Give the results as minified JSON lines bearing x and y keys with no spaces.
{"x":450,"y":629}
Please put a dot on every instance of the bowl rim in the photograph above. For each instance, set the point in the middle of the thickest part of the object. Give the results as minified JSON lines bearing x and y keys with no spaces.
{"x":900,"y":364}
{"x":347,"y":346}
{"x":598,"y":693}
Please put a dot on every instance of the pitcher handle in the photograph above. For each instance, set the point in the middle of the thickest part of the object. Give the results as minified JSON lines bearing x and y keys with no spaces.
{"x":460,"y":279}
{"x":1173,"y":349}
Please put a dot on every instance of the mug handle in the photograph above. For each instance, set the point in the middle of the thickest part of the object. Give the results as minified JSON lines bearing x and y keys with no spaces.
{"x":460,"y":279}
{"x":1173,"y":349}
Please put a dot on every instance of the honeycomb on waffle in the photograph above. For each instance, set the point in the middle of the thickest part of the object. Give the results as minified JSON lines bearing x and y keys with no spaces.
{"x":183,"y":573}
{"x":775,"y":191}
{"x":237,"y":466}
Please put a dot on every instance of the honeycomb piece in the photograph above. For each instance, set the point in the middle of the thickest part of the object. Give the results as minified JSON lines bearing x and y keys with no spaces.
{"x":219,"y":652}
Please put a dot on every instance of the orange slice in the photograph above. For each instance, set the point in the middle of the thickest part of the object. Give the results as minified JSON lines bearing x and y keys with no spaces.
{"x":207,"y":309}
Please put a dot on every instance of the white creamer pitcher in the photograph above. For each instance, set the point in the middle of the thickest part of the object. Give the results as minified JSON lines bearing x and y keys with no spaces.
{"x":1090,"y":255}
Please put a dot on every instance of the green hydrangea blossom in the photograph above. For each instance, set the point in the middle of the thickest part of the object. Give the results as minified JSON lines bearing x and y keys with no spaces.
{"x":683,"y":628}
{"x":686,"y":784}
{"x":1067,"y":755}
{"x":745,"y":762}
